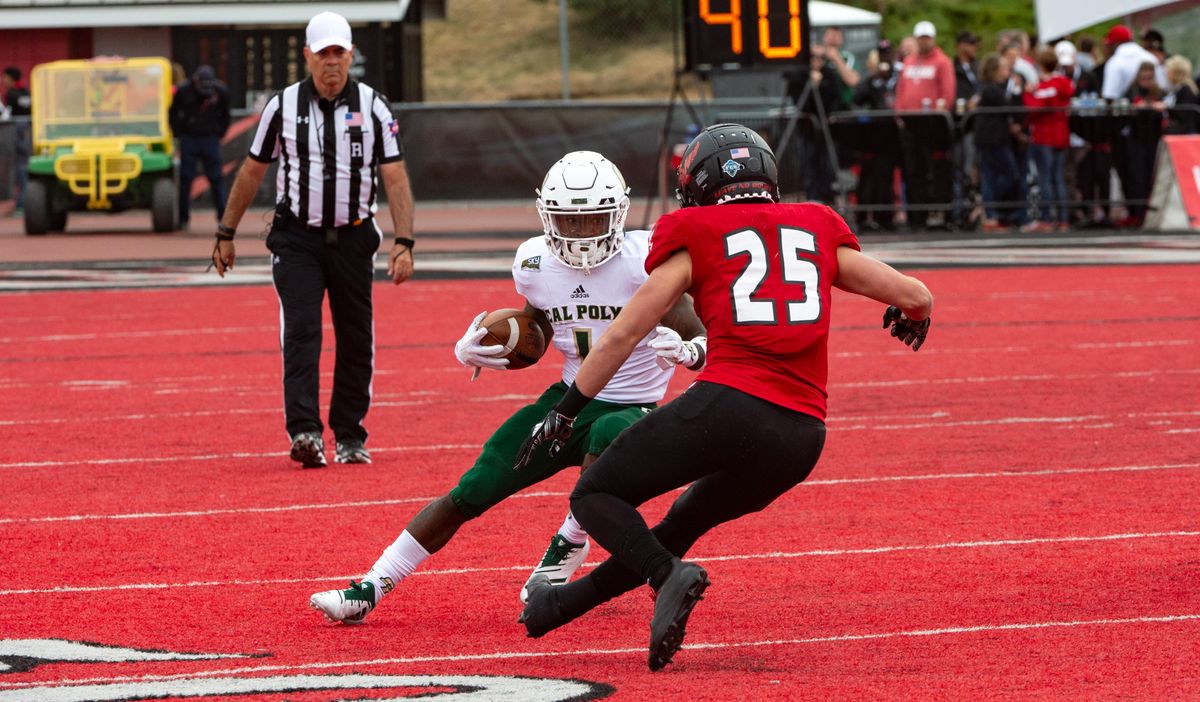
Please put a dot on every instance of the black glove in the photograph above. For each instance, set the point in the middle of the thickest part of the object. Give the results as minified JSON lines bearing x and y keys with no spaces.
{"x":906,"y":330}
{"x":554,"y":428}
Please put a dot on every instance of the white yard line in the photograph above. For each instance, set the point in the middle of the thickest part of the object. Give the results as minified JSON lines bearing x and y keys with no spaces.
{"x":525,"y":495}
{"x":999,"y":627}
{"x":771,"y":555}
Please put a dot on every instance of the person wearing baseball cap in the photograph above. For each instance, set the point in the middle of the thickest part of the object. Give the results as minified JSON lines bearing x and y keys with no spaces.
{"x":1066,"y":53}
{"x":334,"y":139}
{"x":1125,"y":58}
{"x":925,"y":83}
{"x":327,"y":29}
{"x":966,"y":70}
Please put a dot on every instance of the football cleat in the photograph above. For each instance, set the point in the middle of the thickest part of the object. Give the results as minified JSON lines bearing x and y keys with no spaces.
{"x":352,"y":451}
{"x":561,"y":561}
{"x":542,"y":613}
{"x":349,"y":606}
{"x":308,"y":449}
{"x":673,"y":603}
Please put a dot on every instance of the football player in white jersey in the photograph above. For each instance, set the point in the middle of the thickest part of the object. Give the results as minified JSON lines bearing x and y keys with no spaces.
{"x":575,"y":279}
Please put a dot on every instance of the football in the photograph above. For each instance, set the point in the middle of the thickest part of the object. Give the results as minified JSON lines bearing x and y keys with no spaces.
{"x":518,"y":333}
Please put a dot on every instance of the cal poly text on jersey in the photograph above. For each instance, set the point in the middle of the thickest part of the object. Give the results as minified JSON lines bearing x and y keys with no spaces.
{"x":571,"y":313}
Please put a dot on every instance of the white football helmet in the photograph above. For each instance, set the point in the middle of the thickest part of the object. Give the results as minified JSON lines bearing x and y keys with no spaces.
{"x":583,"y":203}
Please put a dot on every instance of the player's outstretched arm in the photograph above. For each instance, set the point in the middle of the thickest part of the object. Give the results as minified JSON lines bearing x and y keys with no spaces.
{"x":909,"y":302}
{"x":863,"y":275}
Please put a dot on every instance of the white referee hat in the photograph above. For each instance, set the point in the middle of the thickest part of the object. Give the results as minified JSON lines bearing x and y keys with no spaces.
{"x":328,"y":29}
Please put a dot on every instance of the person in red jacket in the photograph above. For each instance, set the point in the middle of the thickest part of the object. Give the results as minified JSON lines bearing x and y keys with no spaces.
{"x":926,"y":83}
{"x":1050,"y":135}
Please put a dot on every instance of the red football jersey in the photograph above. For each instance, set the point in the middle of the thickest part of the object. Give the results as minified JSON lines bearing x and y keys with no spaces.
{"x":761,"y":279}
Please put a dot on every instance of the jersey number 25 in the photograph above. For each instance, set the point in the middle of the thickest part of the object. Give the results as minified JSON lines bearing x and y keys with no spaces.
{"x":747,"y":309}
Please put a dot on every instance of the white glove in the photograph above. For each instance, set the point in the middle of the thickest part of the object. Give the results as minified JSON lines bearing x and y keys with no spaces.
{"x":672,"y":349}
{"x":470,"y":353}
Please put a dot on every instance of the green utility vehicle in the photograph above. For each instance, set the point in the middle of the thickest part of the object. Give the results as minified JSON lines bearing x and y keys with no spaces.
{"x":101,"y":142}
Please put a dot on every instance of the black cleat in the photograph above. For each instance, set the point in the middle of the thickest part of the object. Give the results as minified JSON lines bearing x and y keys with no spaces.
{"x":308,"y":449}
{"x":542,"y":613}
{"x":351,"y":451}
{"x":679,"y":593}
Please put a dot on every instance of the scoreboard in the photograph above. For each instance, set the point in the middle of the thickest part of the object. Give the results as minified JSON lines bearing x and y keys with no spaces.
{"x":744,"y":33}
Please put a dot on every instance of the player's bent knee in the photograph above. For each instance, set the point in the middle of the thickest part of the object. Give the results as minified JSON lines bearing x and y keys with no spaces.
{"x":606,"y":429}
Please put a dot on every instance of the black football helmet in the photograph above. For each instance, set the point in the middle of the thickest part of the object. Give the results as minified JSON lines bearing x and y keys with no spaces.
{"x":727,"y":162}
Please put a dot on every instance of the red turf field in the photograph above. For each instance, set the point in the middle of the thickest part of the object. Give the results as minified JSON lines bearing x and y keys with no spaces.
{"x":1010,"y":513}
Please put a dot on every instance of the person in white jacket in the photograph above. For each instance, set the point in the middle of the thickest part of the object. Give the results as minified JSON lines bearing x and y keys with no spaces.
{"x":1122,"y":67}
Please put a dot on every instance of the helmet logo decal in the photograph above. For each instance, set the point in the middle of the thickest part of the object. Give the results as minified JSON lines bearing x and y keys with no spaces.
{"x":731,"y":168}
{"x":742,"y":152}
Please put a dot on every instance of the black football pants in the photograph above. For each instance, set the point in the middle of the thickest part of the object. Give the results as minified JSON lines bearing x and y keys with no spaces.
{"x":742,"y":453}
{"x":304,"y":265}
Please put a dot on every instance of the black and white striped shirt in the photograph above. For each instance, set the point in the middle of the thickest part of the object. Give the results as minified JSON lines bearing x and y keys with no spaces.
{"x":328,"y":152}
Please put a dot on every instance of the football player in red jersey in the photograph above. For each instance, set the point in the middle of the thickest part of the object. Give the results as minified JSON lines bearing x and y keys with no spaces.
{"x":752,"y":425}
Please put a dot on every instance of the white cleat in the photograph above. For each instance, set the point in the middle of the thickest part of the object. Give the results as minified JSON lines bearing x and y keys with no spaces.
{"x":561,"y":561}
{"x":349,"y":606}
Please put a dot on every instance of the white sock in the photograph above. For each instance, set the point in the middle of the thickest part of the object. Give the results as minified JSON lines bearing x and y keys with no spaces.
{"x":571,"y":531}
{"x":398,"y":561}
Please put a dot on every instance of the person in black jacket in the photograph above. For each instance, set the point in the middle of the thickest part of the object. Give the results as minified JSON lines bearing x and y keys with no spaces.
{"x":828,"y":88}
{"x":994,"y":126}
{"x":875,"y":149}
{"x":1182,"y":97}
{"x":15,"y":102}
{"x":200,"y":117}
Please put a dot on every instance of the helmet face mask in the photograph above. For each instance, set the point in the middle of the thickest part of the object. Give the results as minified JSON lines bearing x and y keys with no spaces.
{"x":726,"y":163}
{"x":583,"y":203}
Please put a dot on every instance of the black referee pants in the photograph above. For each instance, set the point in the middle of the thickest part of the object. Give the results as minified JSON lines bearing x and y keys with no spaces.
{"x":742,"y":453}
{"x":305,"y":263}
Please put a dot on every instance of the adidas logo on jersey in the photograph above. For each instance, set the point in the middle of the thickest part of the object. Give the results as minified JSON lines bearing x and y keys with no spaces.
{"x":579,"y":293}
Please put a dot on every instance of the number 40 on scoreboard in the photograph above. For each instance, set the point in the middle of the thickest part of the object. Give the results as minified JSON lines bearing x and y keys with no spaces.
{"x":742,"y":33}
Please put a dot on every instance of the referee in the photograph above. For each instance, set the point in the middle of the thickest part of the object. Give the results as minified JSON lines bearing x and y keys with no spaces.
{"x":331,"y":137}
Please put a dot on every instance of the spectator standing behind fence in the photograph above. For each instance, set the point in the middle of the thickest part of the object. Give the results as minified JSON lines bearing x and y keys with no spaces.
{"x":834,"y":40}
{"x":875,"y":152}
{"x":927,"y":83}
{"x":1152,"y":41}
{"x":1050,"y":134}
{"x":966,"y":83}
{"x":993,"y":127}
{"x":819,"y":174}
{"x":1141,"y":142}
{"x":17,"y":103}
{"x":1022,"y":63}
{"x":1068,"y":64}
{"x":1122,"y":67}
{"x":199,"y":118}
{"x":966,"y":70}
{"x":1182,"y":97}
{"x":1094,"y":173}
{"x":1086,"y":58}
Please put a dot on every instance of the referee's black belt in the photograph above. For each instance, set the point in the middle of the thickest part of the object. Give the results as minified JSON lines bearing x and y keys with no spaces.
{"x":294,"y":223}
